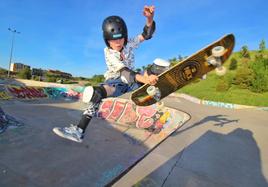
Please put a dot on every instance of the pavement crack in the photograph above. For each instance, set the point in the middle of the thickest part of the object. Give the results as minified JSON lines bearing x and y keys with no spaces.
{"x":172,"y":168}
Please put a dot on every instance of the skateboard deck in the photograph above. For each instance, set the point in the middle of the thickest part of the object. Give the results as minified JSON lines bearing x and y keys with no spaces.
{"x":144,"y":125}
{"x":183,"y":73}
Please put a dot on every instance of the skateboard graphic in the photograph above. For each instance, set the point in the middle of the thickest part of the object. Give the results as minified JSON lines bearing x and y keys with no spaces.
{"x":148,"y":125}
{"x":193,"y":67}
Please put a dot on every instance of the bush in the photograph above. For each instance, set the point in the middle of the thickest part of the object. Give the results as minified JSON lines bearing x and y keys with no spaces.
{"x":70,"y":82}
{"x":3,"y":73}
{"x":262,"y":46}
{"x":36,"y":78}
{"x":243,"y":77}
{"x":51,"y":79}
{"x":88,"y":84}
{"x":233,"y":64}
{"x":25,"y":74}
{"x":245,"y":52}
{"x":223,"y":85}
{"x":260,"y":75}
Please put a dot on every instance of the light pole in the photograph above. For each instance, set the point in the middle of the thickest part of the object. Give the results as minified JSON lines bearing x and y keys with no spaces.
{"x":14,"y":31}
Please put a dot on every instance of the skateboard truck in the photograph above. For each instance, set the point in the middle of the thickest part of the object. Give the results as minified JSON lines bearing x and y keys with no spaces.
{"x":154,"y":92}
{"x":215,"y":59}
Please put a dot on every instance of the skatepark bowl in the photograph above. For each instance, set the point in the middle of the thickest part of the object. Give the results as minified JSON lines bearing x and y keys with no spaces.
{"x":119,"y":136}
{"x":126,"y":145}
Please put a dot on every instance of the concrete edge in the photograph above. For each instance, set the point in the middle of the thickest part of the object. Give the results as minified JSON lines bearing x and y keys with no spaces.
{"x":216,"y":104}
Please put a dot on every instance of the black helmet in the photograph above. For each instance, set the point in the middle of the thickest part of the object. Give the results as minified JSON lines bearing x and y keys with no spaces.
{"x":113,"y":28}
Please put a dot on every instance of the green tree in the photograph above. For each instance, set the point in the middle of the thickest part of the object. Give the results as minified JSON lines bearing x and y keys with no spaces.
{"x":50,"y":77}
{"x":180,"y":58}
{"x":138,"y":70}
{"x":173,"y":61}
{"x":243,"y":77}
{"x":262,"y":46}
{"x":260,"y":75}
{"x":3,"y":73}
{"x":143,"y":68}
{"x":233,"y":64}
{"x":25,"y":74}
{"x":222,"y":85}
{"x":245,"y":52}
{"x":97,"y":78}
{"x":259,"y":55}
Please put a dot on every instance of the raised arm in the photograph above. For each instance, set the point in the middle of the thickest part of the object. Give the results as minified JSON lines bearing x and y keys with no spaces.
{"x":149,"y":28}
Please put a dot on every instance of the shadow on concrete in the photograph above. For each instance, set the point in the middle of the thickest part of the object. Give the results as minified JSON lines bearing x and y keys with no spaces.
{"x":220,"y":120}
{"x":213,"y":160}
{"x":33,"y":155}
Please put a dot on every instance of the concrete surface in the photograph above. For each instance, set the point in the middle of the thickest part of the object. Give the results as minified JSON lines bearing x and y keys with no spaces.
{"x":32,"y":155}
{"x":216,"y":147}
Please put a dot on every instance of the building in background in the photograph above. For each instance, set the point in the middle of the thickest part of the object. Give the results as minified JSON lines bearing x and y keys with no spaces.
{"x":38,"y":74}
{"x":17,"y":67}
{"x":60,"y":73}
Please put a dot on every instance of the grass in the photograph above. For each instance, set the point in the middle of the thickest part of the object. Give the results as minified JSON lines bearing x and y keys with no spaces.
{"x":206,"y":89}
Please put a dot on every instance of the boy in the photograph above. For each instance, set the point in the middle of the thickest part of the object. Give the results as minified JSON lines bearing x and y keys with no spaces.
{"x":120,"y":77}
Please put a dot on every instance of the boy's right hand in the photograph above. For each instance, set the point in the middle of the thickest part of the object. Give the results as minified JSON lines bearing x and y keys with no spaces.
{"x":146,"y":79}
{"x":152,"y":79}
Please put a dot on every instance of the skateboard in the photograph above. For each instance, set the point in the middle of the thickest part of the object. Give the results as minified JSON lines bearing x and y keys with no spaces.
{"x":141,"y":122}
{"x":193,"y":67}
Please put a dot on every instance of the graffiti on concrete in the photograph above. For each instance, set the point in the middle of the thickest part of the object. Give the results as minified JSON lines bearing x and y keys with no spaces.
{"x":7,"y":121}
{"x":60,"y":92}
{"x":55,"y":92}
{"x":73,"y":94}
{"x":218,"y":104}
{"x":79,"y":89}
{"x":26,"y":92}
{"x":109,"y":175}
{"x":127,"y":113}
{"x":3,"y":93}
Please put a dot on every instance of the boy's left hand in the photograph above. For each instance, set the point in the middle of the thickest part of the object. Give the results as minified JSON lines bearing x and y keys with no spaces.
{"x":148,"y":11}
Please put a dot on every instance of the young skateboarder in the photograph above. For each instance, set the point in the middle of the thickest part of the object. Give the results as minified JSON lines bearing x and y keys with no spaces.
{"x":120,"y":76}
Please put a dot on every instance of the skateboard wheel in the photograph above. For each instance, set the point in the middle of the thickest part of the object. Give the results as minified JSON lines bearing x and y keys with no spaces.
{"x":151,"y":90}
{"x":212,"y":61}
{"x":160,"y":105}
{"x":218,"y":51}
{"x":204,"y":77}
{"x":220,"y":71}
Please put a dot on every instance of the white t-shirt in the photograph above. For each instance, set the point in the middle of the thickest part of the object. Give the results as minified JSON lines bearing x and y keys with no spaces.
{"x":115,"y":62}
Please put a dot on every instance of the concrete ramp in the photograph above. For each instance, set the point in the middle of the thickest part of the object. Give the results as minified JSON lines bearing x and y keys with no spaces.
{"x":34,"y":156}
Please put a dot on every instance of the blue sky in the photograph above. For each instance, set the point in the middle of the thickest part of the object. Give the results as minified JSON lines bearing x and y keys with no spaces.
{"x":66,"y":34}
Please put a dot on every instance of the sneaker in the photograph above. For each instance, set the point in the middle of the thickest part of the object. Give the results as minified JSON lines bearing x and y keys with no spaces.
{"x":73,"y":133}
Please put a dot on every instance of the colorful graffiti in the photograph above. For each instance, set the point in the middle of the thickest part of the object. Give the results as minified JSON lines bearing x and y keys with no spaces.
{"x":7,"y":121}
{"x":26,"y":92}
{"x":73,"y":94}
{"x":58,"y":92}
{"x":3,"y":93}
{"x":126,"y":113}
{"x":55,"y":92}
{"x":219,"y":104}
{"x":110,"y":174}
{"x":79,"y":89}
